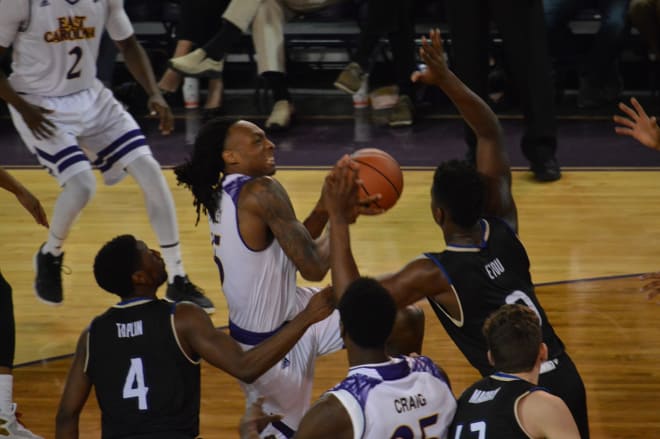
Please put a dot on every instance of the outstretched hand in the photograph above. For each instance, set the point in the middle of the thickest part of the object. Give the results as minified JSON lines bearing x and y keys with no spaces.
{"x":341,"y":192}
{"x":321,"y":304}
{"x":638,"y":125}
{"x":158,"y":108}
{"x":33,"y":206}
{"x":433,"y":55}
{"x":651,"y":288}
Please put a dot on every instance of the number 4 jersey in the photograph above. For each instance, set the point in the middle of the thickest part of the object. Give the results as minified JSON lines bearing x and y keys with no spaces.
{"x":404,"y":398}
{"x":145,"y":384}
{"x":56,"y":42}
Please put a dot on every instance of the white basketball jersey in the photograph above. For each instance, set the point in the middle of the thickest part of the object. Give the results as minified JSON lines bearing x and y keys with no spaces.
{"x":260,"y":286}
{"x":56,"y":42}
{"x":404,"y":398}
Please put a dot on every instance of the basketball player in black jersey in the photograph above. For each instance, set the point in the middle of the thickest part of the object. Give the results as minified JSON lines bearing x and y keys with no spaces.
{"x":509,"y":404}
{"x":484,"y":266}
{"x":142,"y":355}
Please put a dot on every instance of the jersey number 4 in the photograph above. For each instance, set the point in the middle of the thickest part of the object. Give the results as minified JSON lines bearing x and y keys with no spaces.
{"x":73,"y":73}
{"x":134,"y":385}
{"x":475,"y":427}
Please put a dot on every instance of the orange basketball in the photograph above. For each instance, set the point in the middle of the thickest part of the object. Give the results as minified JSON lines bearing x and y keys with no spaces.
{"x":380,"y":174}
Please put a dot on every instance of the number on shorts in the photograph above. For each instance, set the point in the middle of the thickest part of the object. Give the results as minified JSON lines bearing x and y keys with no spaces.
{"x":134,"y":385}
{"x":73,"y":73}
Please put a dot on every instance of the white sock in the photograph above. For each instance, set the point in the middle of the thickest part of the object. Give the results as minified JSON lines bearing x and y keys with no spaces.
{"x":160,"y":208}
{"x":6,"y":398}
{"x":76,"y":193}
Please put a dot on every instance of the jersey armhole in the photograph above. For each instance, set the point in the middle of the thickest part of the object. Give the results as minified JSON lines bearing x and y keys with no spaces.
{"x":176,"y":338}
{"x":354,"y":410}
{"x":459,"y":323}
{"x":86,"y":364}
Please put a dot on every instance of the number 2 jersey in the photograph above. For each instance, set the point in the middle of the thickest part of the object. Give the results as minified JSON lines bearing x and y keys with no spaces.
{"x":146,"y":386}
{"x":56,"y":42}
{"x":484,"y":278}
{"x":404,"y":398}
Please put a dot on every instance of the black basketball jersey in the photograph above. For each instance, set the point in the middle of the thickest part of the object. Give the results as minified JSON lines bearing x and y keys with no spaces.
{"x":488,"y":409}
{"x":145,"y":385}
{"x":484,"y":278}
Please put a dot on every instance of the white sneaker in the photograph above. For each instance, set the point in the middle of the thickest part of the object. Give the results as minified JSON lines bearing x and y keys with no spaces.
{"x":197,"y":64}
{"x":280,"y":117}
{"x":11,"y":428}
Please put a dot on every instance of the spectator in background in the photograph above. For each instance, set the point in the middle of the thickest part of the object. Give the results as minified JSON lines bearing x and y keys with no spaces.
{"x":199,"y":22}
{"x":393,"y":18}
{"x":645,"y":16}
{"x":266,"y":18}
{"x":521,"y":27}
{"x":600,"y":82}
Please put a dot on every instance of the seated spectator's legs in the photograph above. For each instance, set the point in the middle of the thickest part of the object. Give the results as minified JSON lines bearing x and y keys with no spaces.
{"x":199,"y":22}
{"x":645,"y":16}
{"x":402,"y":43}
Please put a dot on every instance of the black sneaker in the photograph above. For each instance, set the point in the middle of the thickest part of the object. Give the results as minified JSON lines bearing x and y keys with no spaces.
{"x":546,"y":171}
{"x":48,"y":282}
{"x":182,"y":290}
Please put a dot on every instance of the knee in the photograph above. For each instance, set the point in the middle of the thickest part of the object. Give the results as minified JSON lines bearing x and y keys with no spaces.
{"x":83,"y":185}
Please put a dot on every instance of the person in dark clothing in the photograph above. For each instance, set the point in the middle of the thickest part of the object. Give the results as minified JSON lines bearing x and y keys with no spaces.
{"x":484,"y":266}
{"x":143,"y":354}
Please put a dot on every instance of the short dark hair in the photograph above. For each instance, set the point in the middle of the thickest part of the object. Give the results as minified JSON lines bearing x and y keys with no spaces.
{"x":367,"y":312}
{"x":513,"y":334}
{"x":115,"y":264}
{"x":459,"y":189}
{"x":204,"y":171}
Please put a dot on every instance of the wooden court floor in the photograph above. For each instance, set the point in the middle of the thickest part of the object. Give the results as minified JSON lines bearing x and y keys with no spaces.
{"x":591,"y":224}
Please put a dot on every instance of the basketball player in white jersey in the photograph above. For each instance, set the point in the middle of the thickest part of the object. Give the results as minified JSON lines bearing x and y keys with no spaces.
{"x":382,"y":397}
{"x":72,"y":123}
{"x":258,"y":245}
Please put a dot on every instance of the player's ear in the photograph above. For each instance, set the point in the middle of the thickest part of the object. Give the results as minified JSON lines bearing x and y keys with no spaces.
{"x":438,"y":214}
{"x":543,"y":352}
{"x":490,"y":358}
{"x":229,"y":157}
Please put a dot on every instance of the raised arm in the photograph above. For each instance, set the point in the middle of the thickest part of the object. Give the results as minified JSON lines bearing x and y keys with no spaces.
{"x":492,"y":159}
{"x":75,"y":394}
{"x":267,"y":200}
{"x":198,"y":335}
{"x":419,"y":279}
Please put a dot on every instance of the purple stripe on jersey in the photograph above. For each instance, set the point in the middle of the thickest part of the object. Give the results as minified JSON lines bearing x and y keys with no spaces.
{"x":122,"y":152}
{"x":248,"y":337}
{"x":234,"y":188}
{"x":394,"y":371}
{"x":359,"y":386}
{"x":425,"y":364}
{"x":117,"y":143}
{"x":284,"y":429}
{"x":60,"y":155}
{"x":71,"y":161}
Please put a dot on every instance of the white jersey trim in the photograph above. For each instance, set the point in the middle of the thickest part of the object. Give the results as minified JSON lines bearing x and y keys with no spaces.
{"x":353,"y":409}
{"x":86,"y":348}
{"x":515,"y":413}
{"x":459,"y":323}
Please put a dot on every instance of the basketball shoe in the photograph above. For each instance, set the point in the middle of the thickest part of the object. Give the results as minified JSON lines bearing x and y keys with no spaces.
{"x":182,"y":290}
{"x":48,"y":282}
{"x":350,"y":79}
{"x":11,"y":428}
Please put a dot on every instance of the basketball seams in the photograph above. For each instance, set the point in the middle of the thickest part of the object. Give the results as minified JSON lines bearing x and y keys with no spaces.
{"x":369,"y":165}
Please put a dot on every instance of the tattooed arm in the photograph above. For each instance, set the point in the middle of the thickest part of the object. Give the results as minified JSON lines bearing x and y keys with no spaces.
{"x":269,"y":203}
